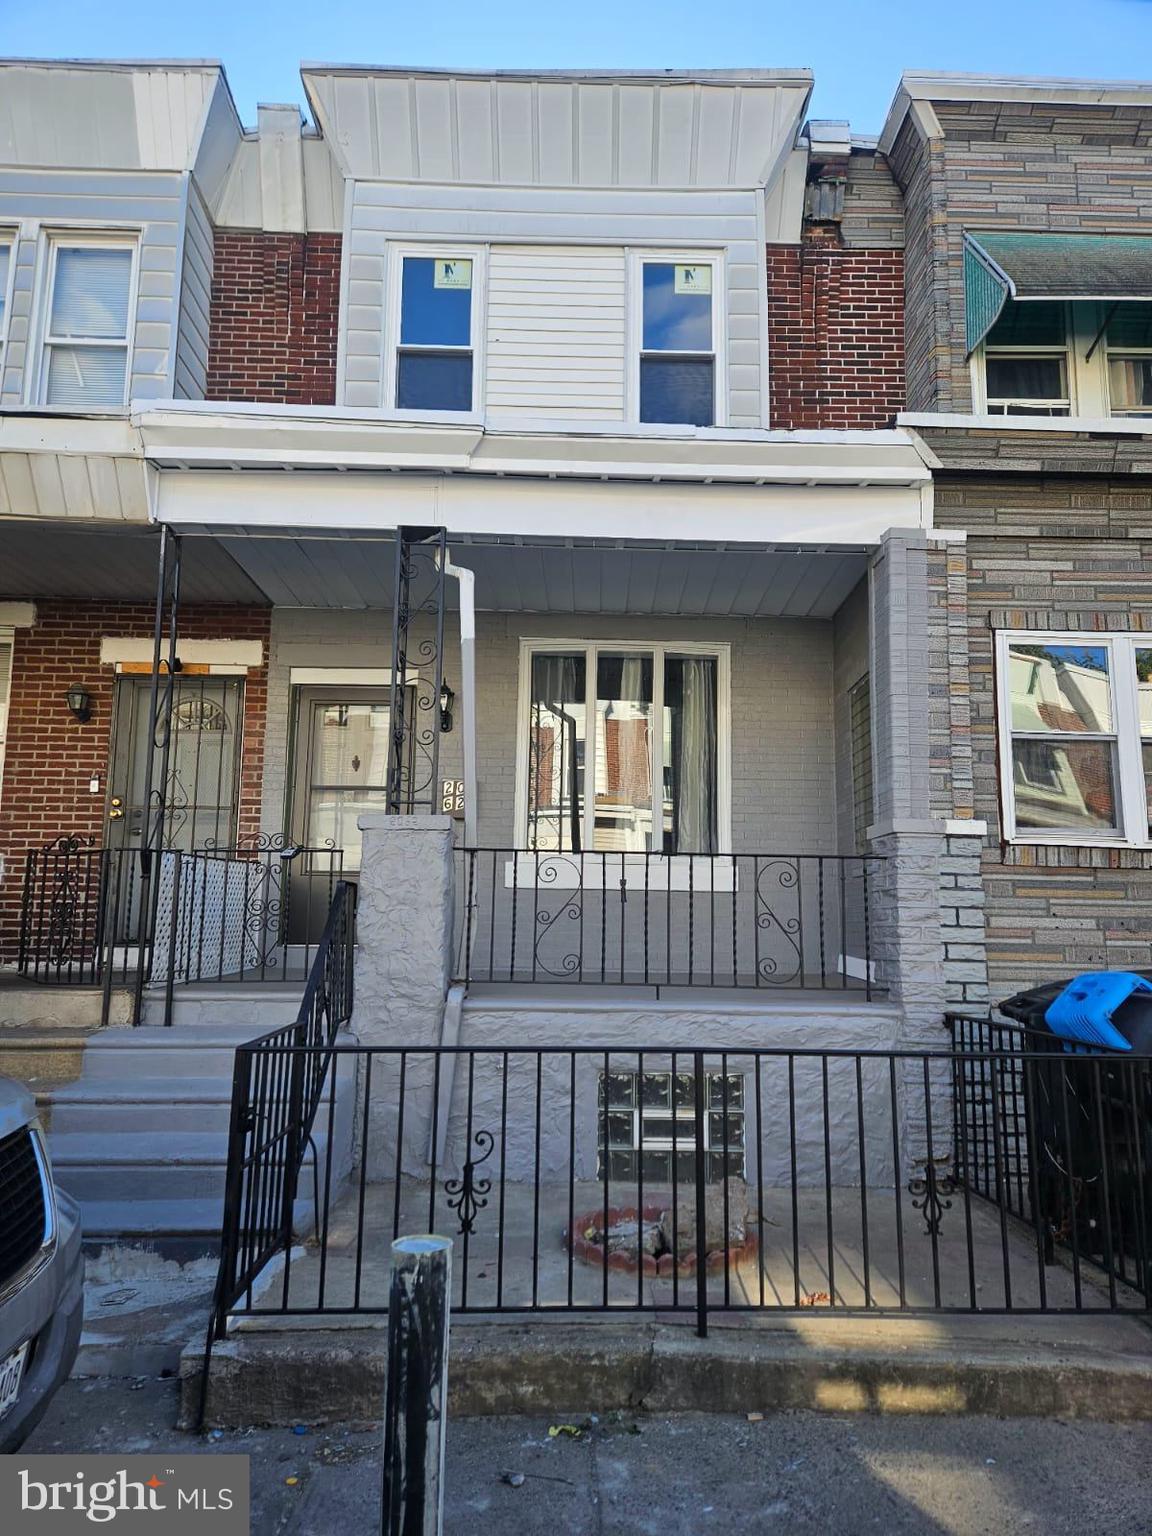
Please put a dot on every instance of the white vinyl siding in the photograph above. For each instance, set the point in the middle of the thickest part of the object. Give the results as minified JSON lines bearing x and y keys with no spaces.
{"x":191,"y":376}
{"x":557,"y":331}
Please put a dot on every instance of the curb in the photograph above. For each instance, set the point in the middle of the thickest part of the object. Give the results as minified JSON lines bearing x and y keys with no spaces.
{"x":282,"y":1378}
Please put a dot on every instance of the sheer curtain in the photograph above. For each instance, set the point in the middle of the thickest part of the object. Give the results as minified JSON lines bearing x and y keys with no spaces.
{"x":690,"y":698}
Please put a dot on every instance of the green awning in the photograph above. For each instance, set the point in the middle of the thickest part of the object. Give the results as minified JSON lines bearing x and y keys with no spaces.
{"x":1009,"y":264}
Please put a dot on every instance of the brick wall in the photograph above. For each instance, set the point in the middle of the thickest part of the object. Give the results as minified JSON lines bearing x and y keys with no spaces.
{"x":275,"y":306}
{"x":51,"y":758}
{"x":835,"y":334}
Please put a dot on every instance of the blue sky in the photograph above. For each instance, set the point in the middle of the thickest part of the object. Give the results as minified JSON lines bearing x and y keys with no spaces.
{"x":857,"y":49}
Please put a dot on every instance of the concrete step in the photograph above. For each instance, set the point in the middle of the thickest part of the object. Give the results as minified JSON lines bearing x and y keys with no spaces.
{"x":143,"y":1104}
{"x":202,"y":1050}
{"x":254,"y":1006}
{"x":45,"y":1006}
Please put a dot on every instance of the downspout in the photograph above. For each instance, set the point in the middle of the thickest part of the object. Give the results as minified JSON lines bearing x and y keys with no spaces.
{"x":467,"y":580}
{"x":454,"y":1003}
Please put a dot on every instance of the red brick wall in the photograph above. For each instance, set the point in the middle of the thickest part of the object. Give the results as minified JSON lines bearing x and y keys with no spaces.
{"x":835,"y":334}
{"x":51,"y":758}
{"x":275,"y":301}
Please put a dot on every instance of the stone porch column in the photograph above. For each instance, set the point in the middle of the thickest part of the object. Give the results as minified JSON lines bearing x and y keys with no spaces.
{"x":404,"y":921}
{"x":911,"y":842}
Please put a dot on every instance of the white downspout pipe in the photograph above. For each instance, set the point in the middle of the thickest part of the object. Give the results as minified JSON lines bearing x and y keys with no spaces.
{"x":467,"y":580}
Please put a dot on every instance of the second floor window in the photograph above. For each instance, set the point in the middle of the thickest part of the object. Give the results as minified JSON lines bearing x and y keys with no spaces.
{"x":677,"y":345}
{"x":86,"y":330}
{"x":434,"y":356}
{"x":1128,"y":336}
{"x":1026,"y":362}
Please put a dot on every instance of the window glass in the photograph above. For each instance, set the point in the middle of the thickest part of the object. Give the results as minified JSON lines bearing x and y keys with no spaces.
{"x":85,"y":376}
{"x":5,"y":259}
{"x":90,"y":293}
{"x":1026,"y":378}
{"x":677,"y":307}
{"x":1144,"y":711}
{"x":556,"y":742}
{"x":1059,"y":687}
{"x":623,"y":776}
{"x":434,"y":381}
{"x":436,"y":302}
{"x":1130,"y":325}
{"x":1034,"y":324}
{"x":690,"y":754}
{"x":1064,"y":785}
{"x":677,"y":389}
{"x":1130,"y":383}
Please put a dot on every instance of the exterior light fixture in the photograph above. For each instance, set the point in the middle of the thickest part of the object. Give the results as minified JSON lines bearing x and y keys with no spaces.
{"x":80,"y":702}
{"x":447,"y":699}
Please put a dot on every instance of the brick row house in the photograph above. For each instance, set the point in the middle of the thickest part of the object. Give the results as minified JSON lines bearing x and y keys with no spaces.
{"x":737,"y":515}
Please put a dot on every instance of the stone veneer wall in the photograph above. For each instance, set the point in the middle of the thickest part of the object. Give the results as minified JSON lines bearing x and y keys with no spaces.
{"x":1049,"y":550}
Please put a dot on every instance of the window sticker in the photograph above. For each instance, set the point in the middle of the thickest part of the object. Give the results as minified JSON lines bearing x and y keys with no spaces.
{"x":693,"y":280}
{"x":452,"y":272}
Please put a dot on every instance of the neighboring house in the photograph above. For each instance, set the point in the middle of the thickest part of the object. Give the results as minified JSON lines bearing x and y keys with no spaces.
{"x":528,"y":448}
{"x":1029,"y":339}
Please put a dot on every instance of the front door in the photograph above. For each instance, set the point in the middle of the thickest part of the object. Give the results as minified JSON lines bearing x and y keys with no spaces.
{"x":203,"y":763}
{"x":341,"y":768}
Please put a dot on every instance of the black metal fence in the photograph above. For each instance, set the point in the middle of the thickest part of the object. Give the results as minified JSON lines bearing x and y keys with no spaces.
{"x":252,"y":911}
{"x":581,"y":1179}
{"x":79,"y":916}
{"x":756,"y":920}
{"x":279,"y":1085}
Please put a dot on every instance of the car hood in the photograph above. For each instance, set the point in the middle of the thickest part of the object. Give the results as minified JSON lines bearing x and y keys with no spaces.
{"x":17,"y":1107}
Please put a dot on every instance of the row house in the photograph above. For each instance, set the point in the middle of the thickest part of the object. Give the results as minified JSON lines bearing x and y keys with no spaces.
{"x":609,"y":520}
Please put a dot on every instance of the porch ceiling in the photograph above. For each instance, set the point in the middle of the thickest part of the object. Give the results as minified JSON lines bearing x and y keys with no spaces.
{"x":564,"y":577}
{"x":43,"y":559}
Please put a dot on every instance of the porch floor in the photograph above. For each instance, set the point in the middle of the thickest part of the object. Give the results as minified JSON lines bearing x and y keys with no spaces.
{"x":797,"y":1265}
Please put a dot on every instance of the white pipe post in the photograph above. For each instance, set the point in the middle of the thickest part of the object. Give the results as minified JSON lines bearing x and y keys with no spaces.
{"x":416,"y":1398}
{"x":467,"y":580}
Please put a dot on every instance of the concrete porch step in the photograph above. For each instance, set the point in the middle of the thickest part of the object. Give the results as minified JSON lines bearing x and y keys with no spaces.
{"x":195,"y":1103}
{"x":254,"y":1005}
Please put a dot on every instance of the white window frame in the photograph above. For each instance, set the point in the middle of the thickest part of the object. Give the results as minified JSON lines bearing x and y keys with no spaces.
{"x":658,"y":864}
{"x":85,"y":239}
{"x":394,"y":286}
{"x":1131,"y":802}
{"x":10,"y":238}
{"x":637,"y":260}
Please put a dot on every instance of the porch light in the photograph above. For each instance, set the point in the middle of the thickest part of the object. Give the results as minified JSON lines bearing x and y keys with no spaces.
{"x":80,"y":702}
{"x":447,"y":699}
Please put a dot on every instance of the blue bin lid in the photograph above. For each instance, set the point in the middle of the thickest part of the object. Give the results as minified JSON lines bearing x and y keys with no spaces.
{"x":1083,"y":1011}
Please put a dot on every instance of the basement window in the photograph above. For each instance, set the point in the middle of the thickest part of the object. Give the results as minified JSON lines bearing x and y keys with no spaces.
{"x":647,"y":1122}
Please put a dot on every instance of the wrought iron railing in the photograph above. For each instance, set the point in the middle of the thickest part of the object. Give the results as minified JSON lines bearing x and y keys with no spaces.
{"x":1059,"y":1137}
{"x":279,"y":1084}
{"x":79,"y":915}
{"x":578,"y":1179}
{"x":757,"y":920}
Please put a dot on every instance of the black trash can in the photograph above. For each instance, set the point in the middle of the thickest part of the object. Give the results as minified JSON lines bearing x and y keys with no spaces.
{"x":1090,"y":1134}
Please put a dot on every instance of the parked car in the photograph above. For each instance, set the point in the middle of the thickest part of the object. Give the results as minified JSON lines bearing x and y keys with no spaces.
{"x":41,"y":1271}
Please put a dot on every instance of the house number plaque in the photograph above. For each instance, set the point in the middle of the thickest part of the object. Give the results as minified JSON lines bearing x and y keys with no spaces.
{"x":452,"y":797}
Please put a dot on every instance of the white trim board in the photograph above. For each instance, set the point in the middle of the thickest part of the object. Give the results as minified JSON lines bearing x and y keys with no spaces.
{"x":350,"y":677}
{"x":115,"y":651}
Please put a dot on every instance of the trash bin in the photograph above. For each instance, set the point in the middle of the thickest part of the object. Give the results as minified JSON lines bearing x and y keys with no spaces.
{"x":1090,"y":1125}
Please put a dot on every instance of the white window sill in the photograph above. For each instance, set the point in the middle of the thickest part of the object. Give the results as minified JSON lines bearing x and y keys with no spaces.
{"x":605,"y":871}
{"x":1078,"y":842}
{"x":1136,"y":426}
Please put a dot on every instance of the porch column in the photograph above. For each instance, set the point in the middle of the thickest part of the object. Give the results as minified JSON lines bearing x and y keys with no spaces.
{"x":404,"y":920}
{"x":908,"y":838}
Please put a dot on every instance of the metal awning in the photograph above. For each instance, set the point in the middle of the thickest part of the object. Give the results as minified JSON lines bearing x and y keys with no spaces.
{"x":1012,"y":264}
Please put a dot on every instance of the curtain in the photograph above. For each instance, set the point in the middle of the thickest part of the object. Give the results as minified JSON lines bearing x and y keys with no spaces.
{"x":690,"y":698}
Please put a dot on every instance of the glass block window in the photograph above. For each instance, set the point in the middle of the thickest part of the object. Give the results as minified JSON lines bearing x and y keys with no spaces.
{"x":648,"y":1120}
